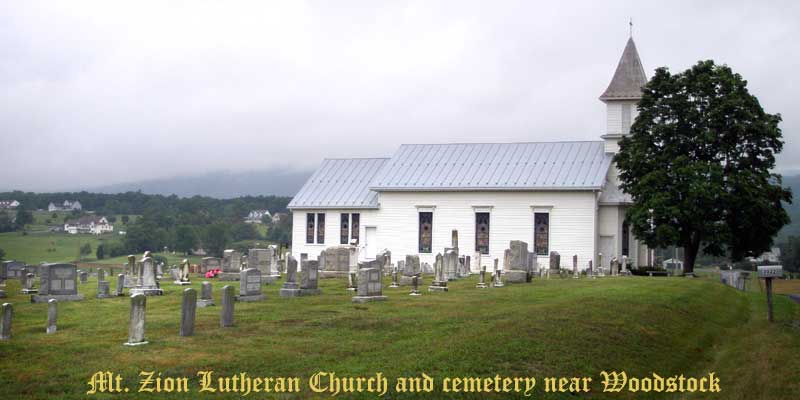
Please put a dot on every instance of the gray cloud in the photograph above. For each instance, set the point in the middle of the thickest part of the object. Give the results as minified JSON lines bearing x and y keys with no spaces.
{"x":96,"y":93}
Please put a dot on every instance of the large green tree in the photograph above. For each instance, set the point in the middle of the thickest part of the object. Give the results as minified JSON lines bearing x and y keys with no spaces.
{"x":697,"y":164}
{"x":185,"y":239}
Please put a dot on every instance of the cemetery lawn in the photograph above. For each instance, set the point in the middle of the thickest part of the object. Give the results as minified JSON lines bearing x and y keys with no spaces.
{"x":551,"y":328}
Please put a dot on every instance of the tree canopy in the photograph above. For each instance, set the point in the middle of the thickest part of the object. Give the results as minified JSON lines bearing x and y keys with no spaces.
{"x":698,"y":162}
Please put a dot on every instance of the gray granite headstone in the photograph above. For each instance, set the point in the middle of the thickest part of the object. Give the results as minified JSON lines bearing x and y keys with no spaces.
{"x":206,"y":295}
{"x":148,"y":284}
{"x":57,"y":281}
{"x":231,"y":266}
{"x":84,"y":276}
{"x":370,"y":287}
{"x":120,"y":285}
{"x":226,"y":316}
{"x":28,"y":284}
{"x":309,"y":279}
{"x":250,"y":285}
{"x":482,"y":283}
{"x":450,"y":264}
{"x":555,"y":260}
{"x":290,"y":287}
{"x":5,"y":321}
{"x":52,"y":315}
{"x":188,"y":309}
{"x":103,"y":290}
{"x":136,"y":328}
{"x":439,"y":283}
{"x":101,"y":274}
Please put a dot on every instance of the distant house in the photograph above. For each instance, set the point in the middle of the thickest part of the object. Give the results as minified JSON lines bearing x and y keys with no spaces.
{"x":65,"y":206}
{"x":256,"y":216}
{"x":88,"y":224}
{"x":8,"y":204}
{"x":772,"y":256}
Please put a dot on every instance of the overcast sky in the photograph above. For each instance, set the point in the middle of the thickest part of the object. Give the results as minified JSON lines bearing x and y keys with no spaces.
{"x":95,"y":93}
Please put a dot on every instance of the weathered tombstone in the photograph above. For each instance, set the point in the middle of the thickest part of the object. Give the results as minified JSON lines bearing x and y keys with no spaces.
{"x":450,"y":260}
{"x":290,"y":287}
{"x":250,"y":285}
{"x":52,"y":315}
{"x":101,"y":275}
{"x":454,"y":240}
{"x":137,"y":318}
{"x":309,"y":278}
{"x":498,"y":275}
{"x":408,"y":268}
{"x":555,"y":262}
{"x":181,"y":275}
{"x":120,"y":285}
{"x":614,"y":266}
{"x":439,"y":283}
{"x":175,"y":274}
{"x":415,"y":286}
{"x":188,"y":310}
{"x":333,"y":262}
{"x":148,"y":284}
{"x":591,"y":270}
{"x":206,"y":295}
{"x":369,"y":286}
{"x":84,"y":277}
{"x":625,"y":270}
{"x":533,"y":265}
{"x":262,"y":259}
{"x":516,"y":267}
{"x":600,"y":269}
{"x":159,"y":270}
{"x":575,"y":273}
{"x":476,"y":261}
{"x":231,"y":266}
{"x":57,"y":281}
{"x":394,"y":283}
{"x":28,"y":284}
{"x":5,"y":321}
{"x":103,"y":290}
{"x":131,"y":278}
{"x":386,"y":256}
{"x":14,"y":269}
{"x":427,"y":268}
{"x":226,"y":316}
{"x":482,"y":283}
{"x":208,"y":264}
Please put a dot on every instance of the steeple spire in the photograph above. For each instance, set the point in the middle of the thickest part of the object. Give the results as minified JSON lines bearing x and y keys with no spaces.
{"x":629,"y":77}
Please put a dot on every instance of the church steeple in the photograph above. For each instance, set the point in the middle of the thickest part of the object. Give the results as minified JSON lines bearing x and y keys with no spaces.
{"x":621,"y":96}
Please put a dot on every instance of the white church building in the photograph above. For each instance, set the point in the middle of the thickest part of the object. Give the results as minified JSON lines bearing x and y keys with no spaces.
{"x":556,"y":196}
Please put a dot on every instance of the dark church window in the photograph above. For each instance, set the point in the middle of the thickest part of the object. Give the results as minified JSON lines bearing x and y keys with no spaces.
{"x":344,"y":233}
{"x":541,"y":233}
{"x":310,"y":228}
{"x":482,"y":233}
{"x":626,"y":239}
{"x":320,"y":228}
{"x":355,"y":226}
{"x":425,"y":232}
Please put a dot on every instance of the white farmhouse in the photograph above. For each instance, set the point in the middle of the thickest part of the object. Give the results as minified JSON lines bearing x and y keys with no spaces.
{"x":88,"y":224}
{"x":556,"y":196}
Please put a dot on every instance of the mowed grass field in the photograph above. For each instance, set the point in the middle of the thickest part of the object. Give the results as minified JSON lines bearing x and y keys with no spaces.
{"x":548,"y":328}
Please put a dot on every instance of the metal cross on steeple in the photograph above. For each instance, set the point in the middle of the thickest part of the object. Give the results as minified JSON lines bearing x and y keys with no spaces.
{"x":631,"y":26}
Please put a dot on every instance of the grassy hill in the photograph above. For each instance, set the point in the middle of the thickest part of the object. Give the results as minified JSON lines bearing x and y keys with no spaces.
{"x":551,"y":328}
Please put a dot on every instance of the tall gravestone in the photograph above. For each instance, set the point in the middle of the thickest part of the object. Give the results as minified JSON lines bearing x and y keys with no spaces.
{"x":226,"y":315}
{"x":482,"y":282}
{"x":516,"y":268}
{"x":250,"y":285}
{"x":52,"y":315}
{"x":28,"y":284}
{"x":334,"y":262}
{"x":83,"y":276}
{"x":555,"y":262}
{"x":206,"y":295}
{"x":309,"y":279}
{"x":131,"y":278}
{"x":450,"y":264}
{"x":370,"y":287}
{"x":290,"y":286}
{"x":57,"y":281}
{"x":5,"y":321}
{"x":120,"y":285}
{"x":188,"y":310}
{"x":148,"y":284}
{"x":575,"y":273}
{"x":264,"y":261}
{"x":183,"y":274}
{"x":231,"y":266}
{"x":137,"y":318}
{"x":415,"y":286}
{"x":410,"y":268}
{"x":439,"y":283}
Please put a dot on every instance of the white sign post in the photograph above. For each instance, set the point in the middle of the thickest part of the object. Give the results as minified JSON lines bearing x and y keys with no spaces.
{"x":768,"y":272}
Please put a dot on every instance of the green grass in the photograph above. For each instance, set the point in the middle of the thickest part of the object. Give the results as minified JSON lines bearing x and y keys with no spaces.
{"x":557,"y":327}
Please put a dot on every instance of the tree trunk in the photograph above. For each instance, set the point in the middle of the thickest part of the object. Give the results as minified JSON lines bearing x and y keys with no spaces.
{"x":690,"y":251}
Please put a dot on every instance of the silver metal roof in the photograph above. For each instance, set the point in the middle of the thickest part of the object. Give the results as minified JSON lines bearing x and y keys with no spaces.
{"x":340,"y":183}
{"x":495,"y":166}
{"x":629,"y":78}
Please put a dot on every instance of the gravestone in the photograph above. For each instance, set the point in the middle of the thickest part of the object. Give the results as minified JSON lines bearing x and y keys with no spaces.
{"x":206,"y":295}
{"x":591,"y":270}
{"x":148,"y":284}
{"x":103,"y":290}
{"x":555,"y":262}
{"x":136,"y":327}
{"x":5,"y":321}
{"x":84,"y":277}
{"x":57,"y":281}
{"x":188,"y":310}
{"x":131,"y":271}
{"x":600,"y":269}
{"x":427,"y":268}
{"x":226,"y":316}
{"x":120,"y":285}
{"x":209,"y":263}
{"x":386,"y":256}
{"x":334,"y":262}
{"x":309,"y":278}
{"x":101,"y":275}
{"x":174,"y":274}
{"x":575,"y":273}
{"x":369,"y":286}
{"x":52,"y":315}
{"x":264,"y":261}
{"x":439,"y":283}
{"x":614,"y":266}
{"x":29,"y":284}
{"x":14,"y":269}
{"x":482,"y":282}
{"x":250,"y":285}
{"x":415,"y":281}
{"x":516,"y":256}
{"x":409,"y":268}
{"x":625,"y":271}
{"x":160,"y":270}
{"x":475,"y":266}
{"x":395,"y":273}
{"x":450,"y":264}
{"x":182,"y":274}
{"x":290,"y":287}
{"x":498,"y":275}
{"x":231,"y":266}
{"x":533,"y":265}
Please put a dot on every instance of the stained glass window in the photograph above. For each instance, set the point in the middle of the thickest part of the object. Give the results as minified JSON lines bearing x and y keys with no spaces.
{"x":310,"y":228}
{"x":355,"y":226}
{"x":541,"y":233}
{"x":320,"y":228}
{"x":344,"y":232}
{"x":482,"y":233}
{"x":425,"y":232}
